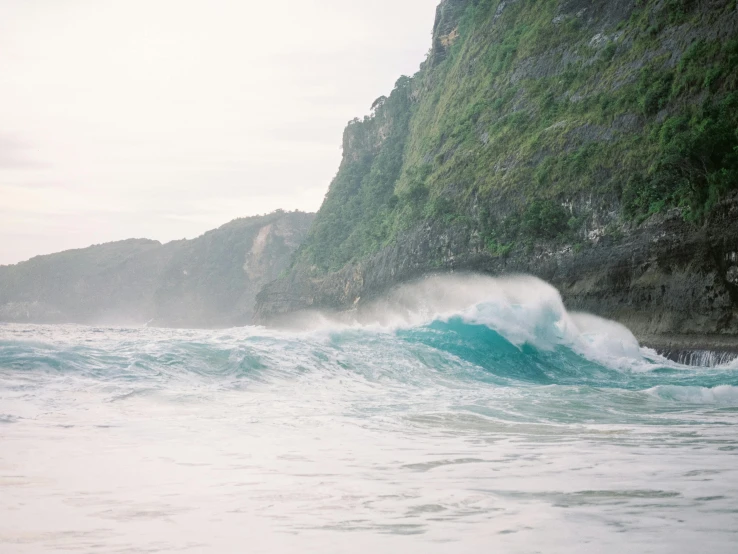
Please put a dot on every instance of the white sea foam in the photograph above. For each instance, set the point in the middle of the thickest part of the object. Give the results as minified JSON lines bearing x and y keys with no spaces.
{"x":723,"y":395}
{"x":119,"y":440}
{"x":521,"y":308}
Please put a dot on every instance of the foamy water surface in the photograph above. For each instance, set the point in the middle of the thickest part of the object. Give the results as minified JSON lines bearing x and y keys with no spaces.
{"x":457,"y":415}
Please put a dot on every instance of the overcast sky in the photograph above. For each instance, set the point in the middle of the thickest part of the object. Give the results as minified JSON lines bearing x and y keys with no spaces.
{"x":165,"y":118}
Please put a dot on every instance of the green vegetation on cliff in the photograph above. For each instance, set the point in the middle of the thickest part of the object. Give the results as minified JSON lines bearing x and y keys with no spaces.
{"x":530,"y":119}
{"x":361,"y":201}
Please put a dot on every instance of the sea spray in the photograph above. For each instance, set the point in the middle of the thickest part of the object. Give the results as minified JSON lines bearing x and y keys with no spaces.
{"x":456,"y":414}
{"x":523,"y":309}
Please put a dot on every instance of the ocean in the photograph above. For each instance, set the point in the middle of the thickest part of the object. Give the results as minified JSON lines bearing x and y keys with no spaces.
{"x":459,"y":414}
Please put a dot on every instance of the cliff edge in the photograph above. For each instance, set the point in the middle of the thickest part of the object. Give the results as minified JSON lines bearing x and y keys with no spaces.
{"x":592,"y":144}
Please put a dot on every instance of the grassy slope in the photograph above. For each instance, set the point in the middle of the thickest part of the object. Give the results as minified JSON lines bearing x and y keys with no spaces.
{"x":534,"y":106}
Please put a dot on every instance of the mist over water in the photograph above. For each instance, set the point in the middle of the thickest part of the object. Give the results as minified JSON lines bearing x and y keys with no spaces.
{"x":458,"y":414}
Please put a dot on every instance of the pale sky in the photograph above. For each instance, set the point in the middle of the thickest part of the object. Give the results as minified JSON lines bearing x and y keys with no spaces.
{"x":166,"y":118}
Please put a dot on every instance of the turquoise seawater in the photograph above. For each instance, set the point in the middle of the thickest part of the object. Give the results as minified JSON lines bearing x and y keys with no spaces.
{"x":457,"y":415}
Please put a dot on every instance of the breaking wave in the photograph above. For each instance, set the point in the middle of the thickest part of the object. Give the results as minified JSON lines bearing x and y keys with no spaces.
{"x":454,"y":413}
{"x":441,"y":333}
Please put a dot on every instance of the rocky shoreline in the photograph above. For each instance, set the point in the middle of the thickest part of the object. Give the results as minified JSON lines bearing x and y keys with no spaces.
{"x":675,"y":285}
{"x":704,"y":351}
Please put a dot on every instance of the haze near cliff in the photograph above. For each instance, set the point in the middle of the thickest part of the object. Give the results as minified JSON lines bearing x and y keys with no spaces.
{"x":164,"y":118}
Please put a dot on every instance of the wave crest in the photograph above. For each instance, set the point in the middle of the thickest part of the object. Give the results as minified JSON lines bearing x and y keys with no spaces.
{"x":523,"y":309}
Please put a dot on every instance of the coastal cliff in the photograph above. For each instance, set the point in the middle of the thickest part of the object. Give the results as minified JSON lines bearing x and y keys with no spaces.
{"x":210,"y":281}
{"x":592,"y":144}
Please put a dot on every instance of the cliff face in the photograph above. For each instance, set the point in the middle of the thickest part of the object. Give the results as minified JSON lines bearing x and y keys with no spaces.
{"x":213,"y":280}
{"x":661,"y":279}
{"x":592,"y":144}
{"x":205,"y":282}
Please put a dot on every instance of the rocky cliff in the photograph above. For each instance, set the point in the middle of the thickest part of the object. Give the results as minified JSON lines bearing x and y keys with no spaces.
{"x":592,"y":144}
{"x":210,"y":281}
